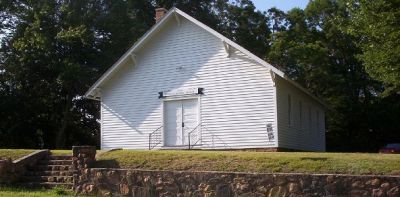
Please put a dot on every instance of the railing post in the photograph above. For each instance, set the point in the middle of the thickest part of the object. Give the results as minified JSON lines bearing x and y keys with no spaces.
{"x":150,"y":141}
{"x":157,"y":142}
{"x":189,"y":139}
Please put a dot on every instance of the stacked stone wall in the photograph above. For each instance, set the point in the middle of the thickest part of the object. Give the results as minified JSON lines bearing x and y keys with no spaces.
{"x":11,"y":171}
{"x":111,"y":182}
{"x":127,"y":182}
{"x":83,"y":158}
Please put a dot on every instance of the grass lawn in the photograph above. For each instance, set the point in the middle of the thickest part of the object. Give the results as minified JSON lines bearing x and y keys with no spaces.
{"x":61,"y":152}
{"x":67,"y":152}
{"x":240,"y":161}
{"x":18,"y":192}
{"x":18,"y":153}
{"x":14,"y":153}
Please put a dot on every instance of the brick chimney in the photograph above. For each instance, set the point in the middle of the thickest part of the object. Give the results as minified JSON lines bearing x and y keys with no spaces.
{"x":160,"y":12}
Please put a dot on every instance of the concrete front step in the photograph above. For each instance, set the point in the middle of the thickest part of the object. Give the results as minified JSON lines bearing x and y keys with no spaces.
{"x":46,"y":185}
{"x":50,"y":173}
{"x":55,"y":179}
{"x":55,"y":162}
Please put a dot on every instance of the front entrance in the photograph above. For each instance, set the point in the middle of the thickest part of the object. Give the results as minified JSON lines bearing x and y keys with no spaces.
{"x":180,"y":117}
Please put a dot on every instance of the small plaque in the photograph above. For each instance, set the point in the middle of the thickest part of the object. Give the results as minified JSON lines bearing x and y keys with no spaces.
{"x":181,"y":92}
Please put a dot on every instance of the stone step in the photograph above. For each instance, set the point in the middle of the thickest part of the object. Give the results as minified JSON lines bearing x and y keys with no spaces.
{"x":60,"y":157}
{"x":46,"y":185}
{"x":55,"y":162}
{"x":50,"y":173}
{"x":55,"y":179}
{"x":52,"y":168}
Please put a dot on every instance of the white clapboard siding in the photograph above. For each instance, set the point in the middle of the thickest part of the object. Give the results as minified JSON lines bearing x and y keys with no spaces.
{"x":301,"y":134}
{"x":238,"y":100}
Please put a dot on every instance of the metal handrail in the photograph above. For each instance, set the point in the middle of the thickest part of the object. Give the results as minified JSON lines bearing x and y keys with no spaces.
{"x":150,"y":138}
{"x":189,"y":134}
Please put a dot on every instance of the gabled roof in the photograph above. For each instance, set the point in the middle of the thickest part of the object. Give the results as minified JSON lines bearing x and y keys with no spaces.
{"x":175,"y":12}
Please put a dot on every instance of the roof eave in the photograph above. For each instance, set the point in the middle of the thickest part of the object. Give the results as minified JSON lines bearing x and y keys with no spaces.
{"x":105,"y":76}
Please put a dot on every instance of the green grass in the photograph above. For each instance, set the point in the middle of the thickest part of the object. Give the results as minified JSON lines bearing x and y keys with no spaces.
{"x":19,"y":192}
{"x":14,"y":153}
{"x":67,"y":152}
{"x":240,"y":161}
{"x":61,"y":152}
{"x":18,"y":153}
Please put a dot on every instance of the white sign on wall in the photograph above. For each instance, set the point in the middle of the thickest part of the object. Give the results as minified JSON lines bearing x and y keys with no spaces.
{"x":181,"y":92}
{"x":270,"y":132}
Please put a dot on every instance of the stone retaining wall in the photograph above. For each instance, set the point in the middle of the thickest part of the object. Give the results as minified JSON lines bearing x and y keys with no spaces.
{"x":111,"y":182}
{"x":83,"y":158}
{"x":11,"y":171}
{"x":140,"y":183}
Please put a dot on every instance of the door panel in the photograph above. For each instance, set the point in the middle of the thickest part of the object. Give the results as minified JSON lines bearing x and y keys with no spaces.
{"x":180,"y":117}
{"x":190,"y":117}
{"x":173,"y":123}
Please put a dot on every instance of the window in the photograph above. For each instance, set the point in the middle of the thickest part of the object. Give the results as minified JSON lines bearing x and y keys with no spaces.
{"x":289,"y":110}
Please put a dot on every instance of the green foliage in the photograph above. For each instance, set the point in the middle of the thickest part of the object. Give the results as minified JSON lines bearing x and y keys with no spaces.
{"x":60,"y":191}
{"x":345,"y":52}
{"x":311,"y":46}
{"x":54,"y":51}
{"x":244,"y":25}
{"x":21,"y":192}
{"x":377,"y":26}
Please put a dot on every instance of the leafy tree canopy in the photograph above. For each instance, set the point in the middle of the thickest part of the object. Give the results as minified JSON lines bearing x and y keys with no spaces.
{"x":377,"y":26}
{"x":345,"y":52}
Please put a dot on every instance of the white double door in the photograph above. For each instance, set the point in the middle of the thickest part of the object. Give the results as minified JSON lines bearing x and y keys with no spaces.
{"x":180,"y":118}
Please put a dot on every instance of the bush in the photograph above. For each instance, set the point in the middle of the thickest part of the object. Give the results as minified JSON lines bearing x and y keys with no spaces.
{"x":59,"y":190}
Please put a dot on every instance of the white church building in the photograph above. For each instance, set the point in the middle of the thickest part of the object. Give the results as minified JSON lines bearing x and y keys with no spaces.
{"x":185,"y":86}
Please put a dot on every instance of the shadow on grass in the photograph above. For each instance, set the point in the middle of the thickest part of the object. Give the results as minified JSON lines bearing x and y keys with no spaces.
{"x":107,"y":164}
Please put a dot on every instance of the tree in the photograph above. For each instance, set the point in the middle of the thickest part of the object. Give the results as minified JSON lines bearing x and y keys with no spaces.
{"x":246,"y":26}
{"x":345,"y":52}
{"x":377,"y":26}
{"x":312,"y":48}
{"x":54,"y":51}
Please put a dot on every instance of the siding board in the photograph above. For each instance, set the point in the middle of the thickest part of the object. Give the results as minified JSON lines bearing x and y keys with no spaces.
{"x":238,"y":98}
{"x":299,"y":135}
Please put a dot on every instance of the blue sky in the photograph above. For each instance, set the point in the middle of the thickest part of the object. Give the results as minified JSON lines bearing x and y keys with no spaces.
{"x":285,"y":5}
